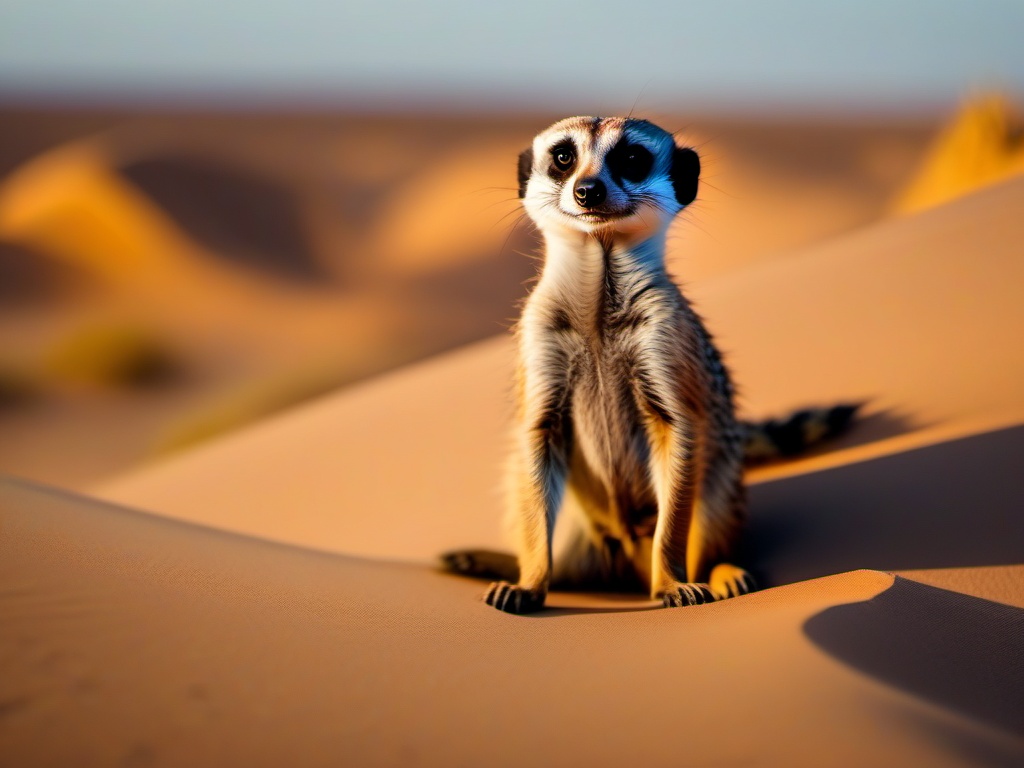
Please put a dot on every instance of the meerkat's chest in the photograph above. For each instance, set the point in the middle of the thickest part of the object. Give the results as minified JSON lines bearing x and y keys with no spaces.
{"x":610,"y":444}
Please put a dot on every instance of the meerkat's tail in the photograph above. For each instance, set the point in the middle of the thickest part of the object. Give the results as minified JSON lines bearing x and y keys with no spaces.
{"x":778,"y":439}
{"x":481,"y":564}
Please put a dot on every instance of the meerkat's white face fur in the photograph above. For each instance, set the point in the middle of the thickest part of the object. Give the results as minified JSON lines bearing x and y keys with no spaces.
{"x":606,"y":177}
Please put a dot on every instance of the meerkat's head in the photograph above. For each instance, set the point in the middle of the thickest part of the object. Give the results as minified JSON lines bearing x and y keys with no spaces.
{"x":606,"y":176}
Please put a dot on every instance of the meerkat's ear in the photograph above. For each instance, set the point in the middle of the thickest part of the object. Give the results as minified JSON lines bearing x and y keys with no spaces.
{"x":525,"y":169}
{"x":684,"y":174}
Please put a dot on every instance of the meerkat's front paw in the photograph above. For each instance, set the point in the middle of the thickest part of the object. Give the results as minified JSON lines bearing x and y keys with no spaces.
{"x":680,"y":595}
{"x":730,"y":581}
{"x":511,"y":598}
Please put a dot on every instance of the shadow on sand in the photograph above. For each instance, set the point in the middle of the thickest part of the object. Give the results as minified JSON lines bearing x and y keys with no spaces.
{"x":28,"y":277}
{"x":954,"y":504}
{"x":957,"y":651}
{"x":244,"y":217}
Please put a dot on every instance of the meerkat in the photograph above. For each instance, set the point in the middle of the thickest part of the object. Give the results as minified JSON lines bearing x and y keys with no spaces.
{"x":625,"y":428}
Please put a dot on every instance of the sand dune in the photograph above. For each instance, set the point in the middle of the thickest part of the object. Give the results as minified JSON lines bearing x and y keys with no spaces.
{"x":129,"y":639}
{"x":68,"y":203}
{"x":979,"y":146}
{"x":918,"y":315}
{"x":240,"y":215}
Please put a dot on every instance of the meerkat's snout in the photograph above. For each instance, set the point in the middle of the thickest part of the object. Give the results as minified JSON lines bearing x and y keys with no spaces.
{"x":590,"y":193}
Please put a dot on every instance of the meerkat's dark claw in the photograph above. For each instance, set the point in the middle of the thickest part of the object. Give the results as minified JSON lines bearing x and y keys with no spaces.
{"x":511,"y":598}
{"x":682,"y":595}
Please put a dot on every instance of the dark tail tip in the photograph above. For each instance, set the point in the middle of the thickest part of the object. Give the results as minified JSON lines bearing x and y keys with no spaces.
{"x":838,"y":418}
{"x":776,"y":439}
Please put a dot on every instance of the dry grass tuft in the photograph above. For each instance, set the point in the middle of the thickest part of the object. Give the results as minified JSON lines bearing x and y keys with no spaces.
{"x":109,"y":356}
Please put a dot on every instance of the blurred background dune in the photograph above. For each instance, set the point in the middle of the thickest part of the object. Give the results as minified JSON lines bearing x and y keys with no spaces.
{"x":982,"y":144}
{"x":193,"y":237}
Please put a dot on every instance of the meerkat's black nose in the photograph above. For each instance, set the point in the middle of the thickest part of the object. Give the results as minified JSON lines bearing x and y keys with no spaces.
{"x":590,"y":193}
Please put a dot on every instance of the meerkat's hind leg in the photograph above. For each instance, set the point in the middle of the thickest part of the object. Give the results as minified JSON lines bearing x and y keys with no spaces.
{"x":729,"y":580}
{"x":481,"y":564}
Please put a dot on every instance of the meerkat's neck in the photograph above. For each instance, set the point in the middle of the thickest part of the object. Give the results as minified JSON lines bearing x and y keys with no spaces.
{"x":577,"y":264}
{"x":569,"y":255}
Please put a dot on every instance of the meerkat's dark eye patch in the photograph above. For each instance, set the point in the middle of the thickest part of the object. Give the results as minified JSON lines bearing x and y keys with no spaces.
{"x":563,"y":159}
{"x":631,"y":162}
{"x":684,"y":174}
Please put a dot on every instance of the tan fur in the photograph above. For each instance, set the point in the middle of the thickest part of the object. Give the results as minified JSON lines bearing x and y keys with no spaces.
{"x":624,"y":422}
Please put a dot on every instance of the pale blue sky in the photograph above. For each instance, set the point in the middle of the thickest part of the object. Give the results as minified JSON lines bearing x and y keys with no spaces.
{"x":548,"y":54}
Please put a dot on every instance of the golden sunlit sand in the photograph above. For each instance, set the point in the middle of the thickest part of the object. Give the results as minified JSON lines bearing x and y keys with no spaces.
{"x":980,"y":146}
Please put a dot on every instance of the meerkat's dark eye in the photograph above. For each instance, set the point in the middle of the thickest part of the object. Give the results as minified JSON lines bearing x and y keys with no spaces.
{"x":563,"y":158}
{"x":630,"y":162}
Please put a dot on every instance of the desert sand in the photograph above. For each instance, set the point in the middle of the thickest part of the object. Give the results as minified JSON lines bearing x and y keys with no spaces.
{"x":140,"y":640}
{"x":267,"y":598}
